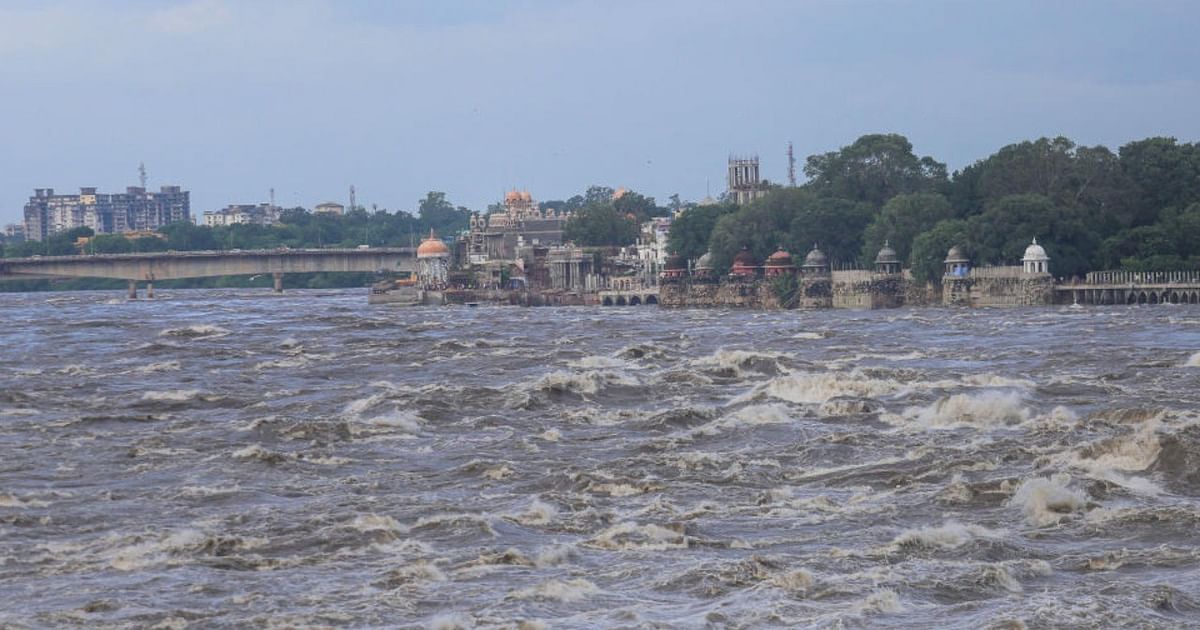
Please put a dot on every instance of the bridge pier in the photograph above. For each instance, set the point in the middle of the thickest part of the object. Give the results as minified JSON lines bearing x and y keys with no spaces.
{"x":278,"y":282}
{"x":133,"y":289}
{"x":150,"y":289}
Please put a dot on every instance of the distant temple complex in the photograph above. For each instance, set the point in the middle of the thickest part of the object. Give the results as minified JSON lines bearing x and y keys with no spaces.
{"x":498,"y":235}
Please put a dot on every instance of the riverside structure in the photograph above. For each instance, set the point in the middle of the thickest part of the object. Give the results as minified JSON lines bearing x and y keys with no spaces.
{"x":778,"y":283}
{"x":148,"y":267}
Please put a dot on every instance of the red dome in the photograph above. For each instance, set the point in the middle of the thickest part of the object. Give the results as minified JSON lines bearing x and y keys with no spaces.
{"x":432,"y":246}
{"x":780,"y":259}
{"x":744,"y":259}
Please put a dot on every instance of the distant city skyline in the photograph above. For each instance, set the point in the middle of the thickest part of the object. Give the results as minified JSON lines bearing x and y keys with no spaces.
{"x":230,"y":99}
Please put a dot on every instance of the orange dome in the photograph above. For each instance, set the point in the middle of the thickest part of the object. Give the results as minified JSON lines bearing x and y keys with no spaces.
{"x":525,"y":196}
{"x":512,"y":196}
{"x":432,"y":246}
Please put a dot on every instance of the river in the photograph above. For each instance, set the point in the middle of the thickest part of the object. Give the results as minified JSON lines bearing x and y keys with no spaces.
{"x":229,"y":458}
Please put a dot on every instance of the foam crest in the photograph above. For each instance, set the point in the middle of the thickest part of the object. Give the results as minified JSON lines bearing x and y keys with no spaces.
{"x":175,"y":395}
{"x":949,"y":535}
{"x":738,"y":362}
{"x":984,"y":410}
{"x":590,"y":382}
{"x":574,"y":590}
{"x":820,"y":387}
{"x":1047,"y":501}
{"x":1193,"y":361}
{"x":536,"y":513}
{"x":629,"y":536}
{"x":200,"y":331}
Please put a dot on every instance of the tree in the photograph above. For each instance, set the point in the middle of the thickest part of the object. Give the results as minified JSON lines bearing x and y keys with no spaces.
{"x":926,"y":259}
{"x":690,"y":232}
{"x":638,"y":205}
{"x":600,"y":224}
{"x":873,"y":169}
{"x":903,"y":217}
{"x":440,"y":215}
{"x":1057,"y":169}
{"x":1162,"y":173}
{"x":793,"y":218}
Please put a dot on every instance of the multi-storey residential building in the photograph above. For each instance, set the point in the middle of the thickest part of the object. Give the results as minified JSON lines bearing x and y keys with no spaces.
{"x":260,"y":214}
{"x":136,"y":209}
{"x":14,"y":231}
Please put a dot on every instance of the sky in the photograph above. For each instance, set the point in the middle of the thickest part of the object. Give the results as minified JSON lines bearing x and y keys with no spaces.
{"x":230,"y":98}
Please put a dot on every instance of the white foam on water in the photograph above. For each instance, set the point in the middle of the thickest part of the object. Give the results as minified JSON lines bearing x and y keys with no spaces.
{"x":884,"y":601}
{"x":1109,"y":459}
{"x":987,"y":409}
{"x":550,"y":435}
{"x":289,"y":363}
{"x":819,"y":387}
{"x":165,"y":366}
{"x":393,"y":421}
{"x":734,"y":360}
{"x":536,"y":513}
{"x":948,"y":535}
{"x":1047,"y":501}
{"x":574,"y":590}
{"x":199,"y":331}
{"x":14,"y":501}
{"x":553,"y":555}
{"x":749,"y":416}
{"x":596,"y":362}
{"x":590,"y":382}
{"x":1193,"y":361}
{"x":174,"y":395}
{"x":628,"y":535}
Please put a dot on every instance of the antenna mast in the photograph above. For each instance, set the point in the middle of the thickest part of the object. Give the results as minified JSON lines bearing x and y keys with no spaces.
{"x":272,"y":198}
{"x":352,"y":198}
{"x":791,"y":166}
{"x":142,"y":174}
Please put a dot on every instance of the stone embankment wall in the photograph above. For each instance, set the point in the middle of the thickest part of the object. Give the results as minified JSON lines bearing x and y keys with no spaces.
{"x":1002,"y":286}
{"x":841,"y":289}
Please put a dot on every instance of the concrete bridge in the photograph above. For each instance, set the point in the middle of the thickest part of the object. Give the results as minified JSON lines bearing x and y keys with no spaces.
{"x":629,"y":297}
{"x":1130,"y":287}
{"x":149,"y":267}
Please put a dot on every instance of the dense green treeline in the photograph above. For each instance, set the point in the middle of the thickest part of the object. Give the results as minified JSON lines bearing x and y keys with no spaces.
{"x":1137,"y":209}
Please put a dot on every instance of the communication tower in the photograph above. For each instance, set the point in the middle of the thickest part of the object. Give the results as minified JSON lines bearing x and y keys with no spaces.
{"x":142,"y":174}
{"x":791,"y":166}
{"x":352,"y":206}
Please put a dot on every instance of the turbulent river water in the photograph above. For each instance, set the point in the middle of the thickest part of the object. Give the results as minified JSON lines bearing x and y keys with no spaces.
{"x":235,"y":459}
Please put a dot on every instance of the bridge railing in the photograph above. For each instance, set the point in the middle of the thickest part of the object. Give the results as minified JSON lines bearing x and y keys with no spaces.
{"x":214,"y":252}
{"x":1143,"y":277}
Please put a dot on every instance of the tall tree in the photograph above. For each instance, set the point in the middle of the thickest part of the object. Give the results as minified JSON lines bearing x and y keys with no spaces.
{"x":904,"y":217}
{"x":873,"y":169}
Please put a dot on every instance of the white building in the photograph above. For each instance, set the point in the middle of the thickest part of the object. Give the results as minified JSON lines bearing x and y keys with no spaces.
{"x":330,"y":207}
{"x":260,"y":214}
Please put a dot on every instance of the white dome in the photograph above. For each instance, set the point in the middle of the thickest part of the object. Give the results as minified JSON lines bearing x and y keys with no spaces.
{"x":1035,"y":252}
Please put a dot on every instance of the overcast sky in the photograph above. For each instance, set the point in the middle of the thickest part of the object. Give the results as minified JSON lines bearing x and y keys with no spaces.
{"x":229,"y":98}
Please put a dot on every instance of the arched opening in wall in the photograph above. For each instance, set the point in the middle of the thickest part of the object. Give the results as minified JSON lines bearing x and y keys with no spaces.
{"x":1153,"y":298}
{"x":1142,"y":298}
{"x":635,"y":301}
{"x":620,"y":300}
{"x":1132,"y":299}
{"x":1174,"y":297}
{"x":607,"y":301}
{"x":651,"y":299}
{"x":1195,"y":298}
